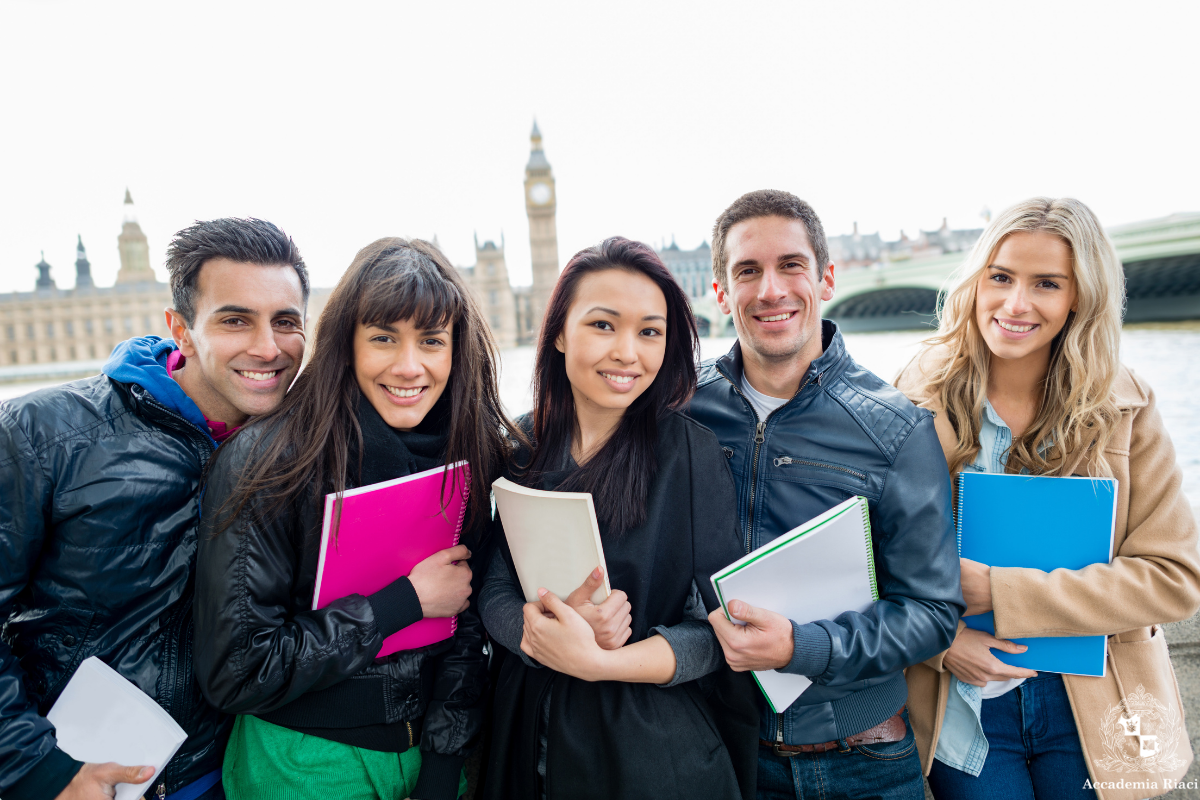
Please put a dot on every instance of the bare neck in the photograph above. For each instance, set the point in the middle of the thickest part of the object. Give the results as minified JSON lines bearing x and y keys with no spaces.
{"x":779,"y":377}
{"x":1015,"y":388}
{"x":211,"y":404}
{"x":593,"y":427}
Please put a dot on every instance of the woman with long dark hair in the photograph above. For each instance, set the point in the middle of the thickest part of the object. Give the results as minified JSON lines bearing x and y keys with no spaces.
{"x":631,"y":697}
{"x":402,"y":379}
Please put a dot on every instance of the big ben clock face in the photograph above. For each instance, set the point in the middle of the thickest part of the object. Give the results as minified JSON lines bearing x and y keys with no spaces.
{"x":539,"y":193}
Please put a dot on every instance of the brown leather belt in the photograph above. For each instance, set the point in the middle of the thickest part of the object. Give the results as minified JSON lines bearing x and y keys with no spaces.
{"x":892,"y":729}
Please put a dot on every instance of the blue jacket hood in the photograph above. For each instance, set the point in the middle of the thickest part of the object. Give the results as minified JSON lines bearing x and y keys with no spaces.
{"x":143,"y":361}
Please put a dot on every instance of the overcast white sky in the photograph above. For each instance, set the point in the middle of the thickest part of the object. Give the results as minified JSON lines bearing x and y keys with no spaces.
{"x":344,"y":122}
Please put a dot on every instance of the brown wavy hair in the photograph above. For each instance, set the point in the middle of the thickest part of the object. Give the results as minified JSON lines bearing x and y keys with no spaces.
{"x":312,"y":434}
{"x":1077,"y":408}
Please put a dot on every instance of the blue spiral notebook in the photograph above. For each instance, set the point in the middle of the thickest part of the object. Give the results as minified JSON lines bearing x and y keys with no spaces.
{"x":1044,"y":523}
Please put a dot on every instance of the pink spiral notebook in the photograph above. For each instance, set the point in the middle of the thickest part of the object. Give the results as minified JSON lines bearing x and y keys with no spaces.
{"x":385,"y":530}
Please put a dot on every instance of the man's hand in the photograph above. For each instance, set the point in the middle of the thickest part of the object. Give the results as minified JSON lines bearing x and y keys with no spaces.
{"x":764,"y":642}
{"x":970,"y":658}
{"x":443,"y":582}
{"x":99,"y":781}
{"x":611,"y":619}
{"x":976,"y":586}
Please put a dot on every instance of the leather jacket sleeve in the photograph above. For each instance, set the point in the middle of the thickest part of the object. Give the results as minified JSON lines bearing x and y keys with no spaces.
{"x":916,"y":564}
{"x":27,"y":743}
{"x":254,"y":653}
{"x":454,"y":717}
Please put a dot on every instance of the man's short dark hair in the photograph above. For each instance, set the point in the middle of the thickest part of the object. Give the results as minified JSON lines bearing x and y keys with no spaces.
{"x":766,"y":203}
{"x":251,"y":241}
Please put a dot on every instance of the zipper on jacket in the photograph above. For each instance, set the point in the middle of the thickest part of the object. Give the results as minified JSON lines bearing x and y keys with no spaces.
{"x":782,"y":460}
{"x":759,"y":437}
{"x":161,"y":792}
{"x":408,"y":725}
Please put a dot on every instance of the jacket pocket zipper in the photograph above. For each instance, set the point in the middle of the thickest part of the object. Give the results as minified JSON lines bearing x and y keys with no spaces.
{"x":784,"y":460}
{"x":410,"y":736}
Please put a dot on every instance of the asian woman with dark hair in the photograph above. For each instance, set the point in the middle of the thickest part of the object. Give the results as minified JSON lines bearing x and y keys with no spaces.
{"x":631,"y":697}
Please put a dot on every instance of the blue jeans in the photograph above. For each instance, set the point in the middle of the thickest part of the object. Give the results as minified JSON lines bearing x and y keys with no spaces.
{"x":1033,"y":749}
{"x":889,"y":771}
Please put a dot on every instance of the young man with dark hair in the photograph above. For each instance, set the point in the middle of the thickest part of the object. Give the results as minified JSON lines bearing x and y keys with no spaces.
{"x":101,"y":484}
{"x":805,"y":428}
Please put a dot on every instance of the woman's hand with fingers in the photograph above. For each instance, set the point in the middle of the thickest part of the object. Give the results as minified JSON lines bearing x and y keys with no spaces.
{"x":970,"y":658}
{"x":611,"y":619}
{"x":443,"y":582}
{"x":557,"y":637}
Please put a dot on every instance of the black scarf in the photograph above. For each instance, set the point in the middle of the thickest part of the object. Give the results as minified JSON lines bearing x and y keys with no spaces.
{"x":389,"y":453}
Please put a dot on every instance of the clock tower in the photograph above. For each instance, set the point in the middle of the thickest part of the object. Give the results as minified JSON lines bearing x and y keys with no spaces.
{"x":540,"y":204}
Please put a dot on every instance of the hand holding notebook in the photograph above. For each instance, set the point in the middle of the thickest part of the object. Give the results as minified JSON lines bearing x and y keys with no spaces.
{"x":383,"y":532}
{"x":816,"y":571}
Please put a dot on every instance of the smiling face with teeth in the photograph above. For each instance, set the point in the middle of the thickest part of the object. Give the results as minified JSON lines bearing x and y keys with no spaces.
{"x":774,"y":292}
{"x":613,"y":344}
{"x":1024,"y":297}
{"x":403,"y":370}
{"x":246,"y":342}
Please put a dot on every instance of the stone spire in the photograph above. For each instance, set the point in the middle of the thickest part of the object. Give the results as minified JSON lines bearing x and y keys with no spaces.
{"x":537,"y":158}
{"x":135,"y":250}
{"x":83,"y":267}
{"x":44,"y":281}
{"x":541,"y":203}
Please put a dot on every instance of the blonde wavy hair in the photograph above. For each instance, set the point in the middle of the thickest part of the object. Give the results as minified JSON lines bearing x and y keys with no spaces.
{"x":1077,"y":409}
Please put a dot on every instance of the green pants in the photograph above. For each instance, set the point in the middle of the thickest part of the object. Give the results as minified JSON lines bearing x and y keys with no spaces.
{"x":269,"y":762}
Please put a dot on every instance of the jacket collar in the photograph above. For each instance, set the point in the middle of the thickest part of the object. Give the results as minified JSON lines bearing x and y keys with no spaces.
{"x":829,"y":364}
{"x":142,"y":361}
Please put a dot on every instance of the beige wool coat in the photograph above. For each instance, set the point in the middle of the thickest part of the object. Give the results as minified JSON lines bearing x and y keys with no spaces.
{"x":1130,"y":721}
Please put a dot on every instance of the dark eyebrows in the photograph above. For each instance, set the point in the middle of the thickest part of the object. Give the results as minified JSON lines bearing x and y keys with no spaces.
{"x":649,"y":317}
{"x":751,"y":262}
{"x":605,"y":310}
{"x":250,"y":312}
{"x":385,"y":327}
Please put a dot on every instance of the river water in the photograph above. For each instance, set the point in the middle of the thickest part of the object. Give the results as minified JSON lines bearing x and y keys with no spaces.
{"x":1167,"y":356}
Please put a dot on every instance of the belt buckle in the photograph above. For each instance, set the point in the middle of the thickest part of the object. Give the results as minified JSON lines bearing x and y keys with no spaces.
{"x":782,"y":753}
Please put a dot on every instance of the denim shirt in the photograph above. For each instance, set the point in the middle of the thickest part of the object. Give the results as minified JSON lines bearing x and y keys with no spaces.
{"x":962,"y":744}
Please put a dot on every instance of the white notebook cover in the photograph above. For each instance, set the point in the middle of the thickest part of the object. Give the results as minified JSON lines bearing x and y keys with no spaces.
{"x":102,"y":717}
{"x":553,"y":537}
{"x":816,"y":571}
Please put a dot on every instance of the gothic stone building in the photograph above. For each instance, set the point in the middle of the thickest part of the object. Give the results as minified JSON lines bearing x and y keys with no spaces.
{"x":515,"y":312}
{"x":85,"y":323}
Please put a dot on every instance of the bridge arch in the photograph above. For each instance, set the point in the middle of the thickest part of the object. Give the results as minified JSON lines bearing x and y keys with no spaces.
{"x":884,"y":309}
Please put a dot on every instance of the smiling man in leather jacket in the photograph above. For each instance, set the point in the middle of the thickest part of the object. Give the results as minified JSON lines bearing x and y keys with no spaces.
{"x":804,"y":428}
{"x":100,"y":480}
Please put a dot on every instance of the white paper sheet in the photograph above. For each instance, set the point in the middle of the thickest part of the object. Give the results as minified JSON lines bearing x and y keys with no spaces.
{"x":824,"y":571}
{"x":102,"y":717}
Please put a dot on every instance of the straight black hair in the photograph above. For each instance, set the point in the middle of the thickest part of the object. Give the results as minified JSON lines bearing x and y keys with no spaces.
{"x":620,"y":473}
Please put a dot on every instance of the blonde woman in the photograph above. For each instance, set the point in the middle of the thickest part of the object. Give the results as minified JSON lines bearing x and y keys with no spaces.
{"x":1023,"y":377}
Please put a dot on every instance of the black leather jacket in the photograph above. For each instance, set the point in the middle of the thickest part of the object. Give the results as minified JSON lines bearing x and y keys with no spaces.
{"x":261,"y":647}
{"x":845,"y":433}
{"x":99,"y":492}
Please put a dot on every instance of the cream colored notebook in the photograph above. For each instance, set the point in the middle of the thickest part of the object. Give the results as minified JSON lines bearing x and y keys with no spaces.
{"x":102,"y":717}
{"x":553,"y":537}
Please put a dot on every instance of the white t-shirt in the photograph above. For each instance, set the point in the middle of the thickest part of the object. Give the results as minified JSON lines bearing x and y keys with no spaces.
{"x":764,"y":404}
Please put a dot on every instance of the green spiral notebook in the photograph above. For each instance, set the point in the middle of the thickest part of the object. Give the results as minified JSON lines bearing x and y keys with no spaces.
{"x":819,"y":570}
